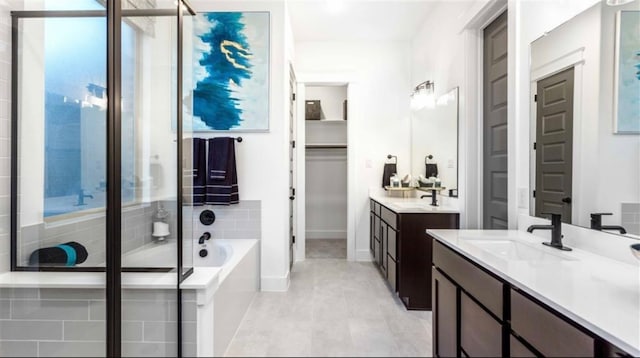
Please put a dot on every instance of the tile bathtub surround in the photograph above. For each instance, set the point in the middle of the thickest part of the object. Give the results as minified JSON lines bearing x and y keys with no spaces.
{"x":136,"y":231}
{"x":241,"y":221}
{"x":70,"y":322}
{"x":332,"y":308}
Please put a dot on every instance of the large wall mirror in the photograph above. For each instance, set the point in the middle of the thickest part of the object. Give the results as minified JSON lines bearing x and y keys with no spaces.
{"x":585,"y":120}
{"x":434,"y":141}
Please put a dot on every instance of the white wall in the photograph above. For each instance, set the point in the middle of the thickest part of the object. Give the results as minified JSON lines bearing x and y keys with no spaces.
{"x":379,"y":111}
{"x":262,"y":158}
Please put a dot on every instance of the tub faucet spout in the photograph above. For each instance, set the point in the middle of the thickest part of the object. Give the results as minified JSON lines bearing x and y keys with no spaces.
{"x":206,"y":236}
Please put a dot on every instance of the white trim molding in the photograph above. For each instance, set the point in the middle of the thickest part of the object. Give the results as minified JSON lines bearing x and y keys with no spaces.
{"x":275,"y":284}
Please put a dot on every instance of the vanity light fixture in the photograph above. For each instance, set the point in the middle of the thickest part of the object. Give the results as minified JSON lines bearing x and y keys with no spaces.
{"x":618,"y":2}
{"x":423,"y":96}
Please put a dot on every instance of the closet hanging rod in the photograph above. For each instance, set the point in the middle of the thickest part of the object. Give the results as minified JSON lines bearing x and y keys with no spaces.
{"x":326,"y":146}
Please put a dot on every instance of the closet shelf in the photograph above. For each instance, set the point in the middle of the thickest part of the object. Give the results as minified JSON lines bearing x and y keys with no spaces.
{"x":326,"y":146}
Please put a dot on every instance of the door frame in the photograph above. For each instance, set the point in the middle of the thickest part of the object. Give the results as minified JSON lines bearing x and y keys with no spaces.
{"x":293,"y":157}
{"x":326,"y":79}
{"x":571,"y":58}
{"x":471,"y":105}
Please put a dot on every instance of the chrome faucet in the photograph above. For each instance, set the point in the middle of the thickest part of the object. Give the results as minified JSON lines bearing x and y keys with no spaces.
{"x":596,"y":223}
{"x":556,"y":231}
{"x":81,"y":196}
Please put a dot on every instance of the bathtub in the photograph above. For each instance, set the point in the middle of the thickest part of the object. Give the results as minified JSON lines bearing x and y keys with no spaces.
{"x":238,"y":282}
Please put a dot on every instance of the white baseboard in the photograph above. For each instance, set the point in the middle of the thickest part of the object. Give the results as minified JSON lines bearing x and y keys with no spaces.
{"x":326,"y":234}
{"x":363,"y":255}
{"x":275,"y":284}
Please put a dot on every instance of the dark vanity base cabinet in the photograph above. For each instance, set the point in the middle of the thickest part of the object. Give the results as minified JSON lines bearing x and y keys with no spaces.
{"x":403,"y":251}
{"x":415,"y":249}
{"x":476,"y":314}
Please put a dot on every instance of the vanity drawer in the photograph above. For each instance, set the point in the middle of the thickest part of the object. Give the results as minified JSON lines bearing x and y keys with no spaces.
{"x":548,"y":333}
{"x":389,"y":217}
{"x":471,"y":278}
{"x":375,"y":207}
{"x":391,"y":243}
{"x":372,"y":206}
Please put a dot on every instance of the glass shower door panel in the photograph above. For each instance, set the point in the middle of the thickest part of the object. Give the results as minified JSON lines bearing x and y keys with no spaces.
{"x":60,"y":219}
{"x":150,"y":220}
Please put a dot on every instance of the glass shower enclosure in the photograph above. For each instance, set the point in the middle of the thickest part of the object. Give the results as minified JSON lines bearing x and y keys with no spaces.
{"x":98,"y":141}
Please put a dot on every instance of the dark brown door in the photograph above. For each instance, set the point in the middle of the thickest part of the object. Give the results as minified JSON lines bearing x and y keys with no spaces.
{"x":554,"y":145}
{"x":495,"y":183}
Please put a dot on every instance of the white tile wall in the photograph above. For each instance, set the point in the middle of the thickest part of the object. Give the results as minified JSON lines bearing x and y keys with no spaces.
{"x":241,"y":221}
{"x":53,"y":322}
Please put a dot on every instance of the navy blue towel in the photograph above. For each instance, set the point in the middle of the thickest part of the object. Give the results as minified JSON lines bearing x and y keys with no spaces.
{"x":67,"y":254}
{"x":199,"y":171}
{"x":222,"y":178}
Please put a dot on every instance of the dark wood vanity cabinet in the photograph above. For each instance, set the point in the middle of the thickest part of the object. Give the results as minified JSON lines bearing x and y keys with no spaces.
{"x":403,"y":251}
{"x":477,"y":314}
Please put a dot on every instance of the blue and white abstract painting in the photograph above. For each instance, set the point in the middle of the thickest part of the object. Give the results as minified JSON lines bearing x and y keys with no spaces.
{"x":231,"y":71}
{"x":627,"y":91}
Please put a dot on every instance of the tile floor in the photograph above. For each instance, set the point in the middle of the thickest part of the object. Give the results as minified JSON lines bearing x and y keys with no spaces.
{"x":326,"y":248}
{"x":333,"y":308}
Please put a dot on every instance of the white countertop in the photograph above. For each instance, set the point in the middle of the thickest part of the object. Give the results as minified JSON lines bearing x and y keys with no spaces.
{"x":412,"y":205}
{"x":599,"y":293}
{"x":201,"y":278}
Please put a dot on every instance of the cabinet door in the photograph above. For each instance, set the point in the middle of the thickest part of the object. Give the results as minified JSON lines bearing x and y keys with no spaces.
{"x":392,"y":243}
{"x":371,"y":231}
{"x":391,"y":273}
{"x":444,"y":316}
{"x":376,"y":251}
{"x":383,"y":241}
{"x":480,"y":333}
{"x":518,"y":350}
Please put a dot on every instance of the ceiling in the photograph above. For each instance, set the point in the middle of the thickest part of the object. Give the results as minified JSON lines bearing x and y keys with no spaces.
{"x":357,"y":20}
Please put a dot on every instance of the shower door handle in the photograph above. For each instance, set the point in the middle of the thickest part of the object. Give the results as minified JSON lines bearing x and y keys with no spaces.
{"x":292,"y":197}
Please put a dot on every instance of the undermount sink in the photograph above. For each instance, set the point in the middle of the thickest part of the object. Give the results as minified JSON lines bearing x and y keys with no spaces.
{"x":515,"y":250}
{"x":411,"y":205}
